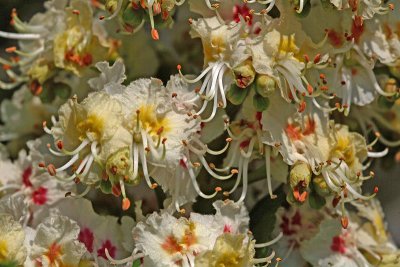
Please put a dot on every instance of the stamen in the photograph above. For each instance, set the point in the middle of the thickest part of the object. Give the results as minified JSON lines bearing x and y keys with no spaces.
{"x":268,"y":170}
{"x":269,"y":243}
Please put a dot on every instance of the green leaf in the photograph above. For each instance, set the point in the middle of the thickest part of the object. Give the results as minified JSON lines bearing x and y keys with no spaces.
{"x":136,"y":263}
{"x":106,"y":187}
{"x":236,"y":95}
{"x":263,"y":219}
{"x":133,"y":17}
{"x":260,"y":103}
{"x":63,"y":91}
{"x":316,"y":201}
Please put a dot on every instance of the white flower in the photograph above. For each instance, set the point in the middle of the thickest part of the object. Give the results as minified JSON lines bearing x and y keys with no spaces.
{"x":97,"y":232}
{"x":56,"y":243}
{"x":224,"y":49}
{"x":82,"y":132}
{"x":64,"y":37}
{"x":24,"y":177}
{"x":12,"y":237}
{"x":164,"y":240}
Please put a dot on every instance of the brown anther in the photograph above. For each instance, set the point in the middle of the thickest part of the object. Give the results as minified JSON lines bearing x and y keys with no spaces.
{"x":226,"y":120}
{"x":184,"y":142}
{"x":372,"y":173}
{"x":174,"y":95}
{"x":317,"y":58}
{"x":60,"y":144}
{"x":329,"y":162}
{"x":154,"y":186}
{"x":335,"y":201}
{"x":51,"y":169}
{"x":11,"y":49}
{"x":302,"y":106}
{"x":376,"y":189}
{"x":391,"y":6}
{"x":322,"y":76}
{"x":220,"y":104}
{"x":160,"y":130}
{"x":195,"y":116}
{"x":310,"y":89}
{"x":76,"y":12}
{"x":68,"y":194}
{"x":251,"y":11}
{"x":324,"y":88}
{"x":147,"y":149}
{"x":101,"y":17}
{"x":215,"y":5}
{"x":218,"y":189}
{"x":41,"y":164}
{"x":358,"y":174}
{"x":77,"y":180}
{"x":278,"y":259}
{"x":337,"y":105}
{"x":345,"y":222}
{"x":6,"y":67}
{"x":154,"y":35}
{"x":234,"y":171}
{"x":197,"y":164}
{"x":190,"y":20}
{"x":211,"y":165}
{"x":189,"y":114}
{"x":226,"y":193}
{"x":126,"y":203}
{"x":378,"y":134}
{"x":228,"y":140}
{"x":164,"y":140}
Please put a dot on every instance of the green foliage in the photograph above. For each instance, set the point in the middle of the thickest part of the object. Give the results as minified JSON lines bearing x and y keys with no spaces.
{"x":263,"y":219}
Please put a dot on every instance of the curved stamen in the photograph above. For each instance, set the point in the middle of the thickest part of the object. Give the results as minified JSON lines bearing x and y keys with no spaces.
{"x":123,"y":261}
{"x":269,"y":243}
{"x":213,"y":174}
{"x":267,"y":156}
{"x":68,"y":164}
{"x":20,"y":36}
{"x":239,"y":176}
{"x":378,"y":154}
{"x":358,"y":195}
{"x":198,"y":78}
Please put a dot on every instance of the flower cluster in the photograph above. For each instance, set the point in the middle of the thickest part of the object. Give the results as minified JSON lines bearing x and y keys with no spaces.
{"x":255,"y":157}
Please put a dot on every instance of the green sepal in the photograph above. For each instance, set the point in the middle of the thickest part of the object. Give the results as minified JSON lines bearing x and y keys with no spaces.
{"x":237,"y":95}
{"x":260,"y":103}
{"x":106,"y":186}
{"x":316,"y":201}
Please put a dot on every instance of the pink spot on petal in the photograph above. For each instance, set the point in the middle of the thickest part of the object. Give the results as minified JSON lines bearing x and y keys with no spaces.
{"x":39,"y":196}
{"x":101,"y":252}
{"x":338,"y":245}
{"x":227,"y":229}
{"x":86,"y":237}
{"x":26,"y":175}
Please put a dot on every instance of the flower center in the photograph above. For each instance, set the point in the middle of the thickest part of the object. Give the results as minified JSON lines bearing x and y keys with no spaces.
{"x":152,"y":123}
{"x":3,"y":250}
{"x":91,"y":127}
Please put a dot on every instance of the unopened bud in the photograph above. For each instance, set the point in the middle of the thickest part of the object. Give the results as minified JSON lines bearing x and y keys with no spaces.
{"x":244,"y":74}
{"x":265,"y":85}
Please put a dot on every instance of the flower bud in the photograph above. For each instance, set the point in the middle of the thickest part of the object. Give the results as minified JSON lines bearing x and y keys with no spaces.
{"x":300,"y":174}
{"x":320,"y":186}
{"x":265,"y":85}
{"x":244,"y":74}
{"x":119,"y":165}
{"x":111,"y":5}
